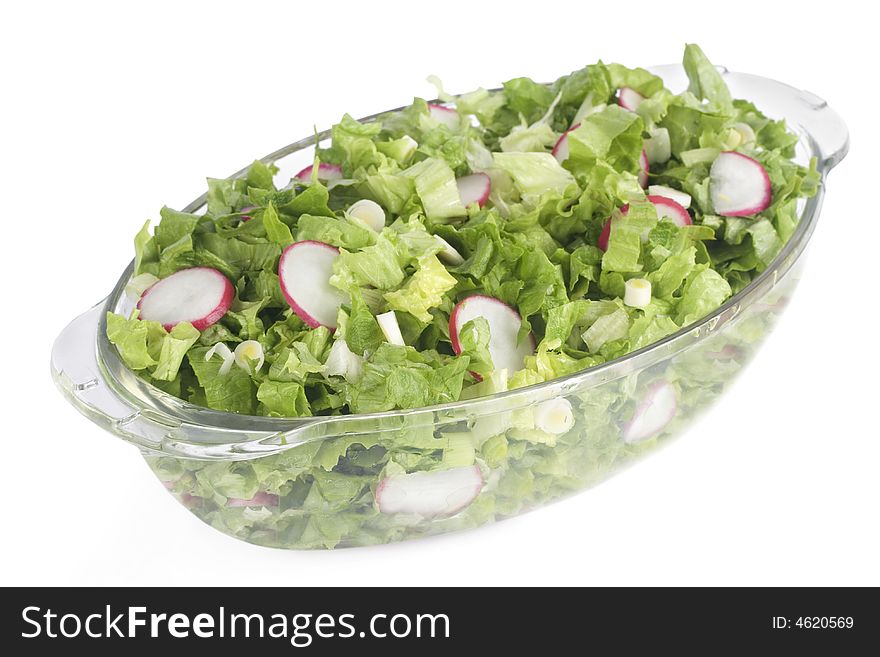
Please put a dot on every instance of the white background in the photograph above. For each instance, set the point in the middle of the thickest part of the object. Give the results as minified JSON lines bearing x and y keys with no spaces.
{"x":110,"y":111}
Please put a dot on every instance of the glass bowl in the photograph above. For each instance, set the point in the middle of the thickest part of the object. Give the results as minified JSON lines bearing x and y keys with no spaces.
{"x":325,"y":482}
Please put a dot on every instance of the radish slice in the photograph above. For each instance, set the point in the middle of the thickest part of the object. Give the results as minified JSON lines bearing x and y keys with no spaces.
{"x":683,"y":199}
{"x":739,"y":186}
{"x":777,"y":307}
{"x":474,"y":188}
{"x":260,"y":499}
{"x":560,"y":150}
{"x":325,"y":172}
{"x":670,"y":210}
{"x":644,"y":169}
{"x":629,"y":99}
{"x":667,"y":209}
{"x":368,"y":213}
{"x":448,"y":253}
{"x":605,"y":235}
{"x":504,"y":324}
{"x":199,"y":295}
{"x":586,"y":109}
{"x":445,"y":115}
{"x":430,"y":494}
{"x":304,"y":273}
{"x":191,"y":501}
{"x":727,"y":352}
{"x":652,"y":414}
{"x":390,"y":328}
{"x":657,"y":146}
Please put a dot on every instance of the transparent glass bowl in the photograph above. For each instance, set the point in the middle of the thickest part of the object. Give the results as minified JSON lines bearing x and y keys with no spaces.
{"x":312,"y":482}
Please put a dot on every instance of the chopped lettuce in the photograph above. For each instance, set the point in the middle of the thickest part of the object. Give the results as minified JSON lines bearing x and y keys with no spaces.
{"x":424,"y":290}
{"x":612,"y":135}
{"x":535,"y":174}
{"x":533,"y":245}
{"x":435,"y":186}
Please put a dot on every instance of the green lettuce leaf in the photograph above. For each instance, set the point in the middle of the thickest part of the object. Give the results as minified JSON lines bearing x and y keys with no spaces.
{"x":341,"y":233}
{"x":285,"y":399}
{"x":706,"y":82}
{"x":174,"y":348}
{"x":234,"y":391}
{"x":423,"y":291}
{"x":375,"y":265}
{"x":534,"y":173}
{"x":613,"y":135}
{"x":703,"y":292}
{"x":435,"y":184}
{"x":139,"y":342}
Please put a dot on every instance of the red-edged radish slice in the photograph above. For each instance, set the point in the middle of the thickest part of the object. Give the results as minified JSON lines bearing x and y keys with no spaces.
{"x":304,"y":274}
{"x":325,"y":172}
{"x":560,"y":150}
{"x":504,"y":324}
{"x":776,"y":307}
{"x":667,"y":209}
{"x":652,"y":414}
{"x":445,"y":115}
{"x":260,"y":499}
{"x":629,"y":98}
{"x":199,"y":295}
{"x":682,"y":198}
{"x":670,"y":210}
{"x":727,"y":352}
{"x":430,"y":494}
{"x":474,"y":188}
{"x":605,"y":235}
{"x":738,"y":185}
{"x":644,"y":169}
{"x":191,"y":501}
{"x":246,"y":217}
{"x":657,"y":146}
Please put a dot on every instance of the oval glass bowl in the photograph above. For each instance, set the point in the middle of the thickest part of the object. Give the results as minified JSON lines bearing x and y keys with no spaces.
{"x":312,"y":482}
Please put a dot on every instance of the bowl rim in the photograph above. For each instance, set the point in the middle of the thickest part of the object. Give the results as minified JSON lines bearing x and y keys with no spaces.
{"x":141,"y":395}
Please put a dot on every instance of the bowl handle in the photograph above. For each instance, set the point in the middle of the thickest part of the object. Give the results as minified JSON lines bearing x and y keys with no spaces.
{"x":826,"y":128}
{"x":78,"y":376}
{"x":826,"y":131}
{"x":76,"y":373}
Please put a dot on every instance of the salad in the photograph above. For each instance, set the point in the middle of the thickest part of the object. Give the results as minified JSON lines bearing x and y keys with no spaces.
{"x":491,"y":241}
{"x":451,"y":250}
